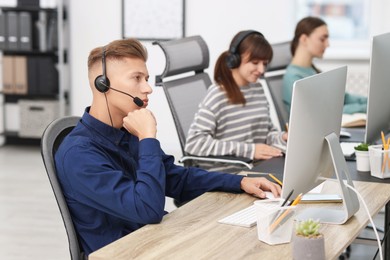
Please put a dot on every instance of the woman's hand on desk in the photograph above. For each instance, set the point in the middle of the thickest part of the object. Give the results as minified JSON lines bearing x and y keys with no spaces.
{"x":258,"y":186}
{"x":264,"y":152}
{"x":285,"y":136}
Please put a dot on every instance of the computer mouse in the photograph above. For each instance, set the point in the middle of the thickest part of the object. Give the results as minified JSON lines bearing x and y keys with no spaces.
{"x":345,"y":134}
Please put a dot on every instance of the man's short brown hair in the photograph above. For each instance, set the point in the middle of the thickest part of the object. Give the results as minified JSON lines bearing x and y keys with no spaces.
{"x":118,"y":49}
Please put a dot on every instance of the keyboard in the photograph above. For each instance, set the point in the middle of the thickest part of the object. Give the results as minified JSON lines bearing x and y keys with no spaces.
{"x":246,"y":217}
{"x":348,"y":148}
{"x":243,"y":218}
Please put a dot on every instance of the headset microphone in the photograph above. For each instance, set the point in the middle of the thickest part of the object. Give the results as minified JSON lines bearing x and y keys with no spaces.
{"x":102,"y":83}
{"x":136,"y":100}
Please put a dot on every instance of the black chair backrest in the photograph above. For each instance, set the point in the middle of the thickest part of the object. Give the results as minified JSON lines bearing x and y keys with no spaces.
{"x":184,"y":80}
{"x":51,"y":140}
{"x":282,"y":56}
{"x":274,"y":78}
{"x":275,"y":87}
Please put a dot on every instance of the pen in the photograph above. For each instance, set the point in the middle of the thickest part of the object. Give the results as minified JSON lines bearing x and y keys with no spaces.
{"x":383,"y":139}
{"x":285,"y":214}
{"x":288,"y":196}
{"x":286,"y":125}
{"x":283,"y":204}
{"x":385,"y":148}
{"x":388,"y":144}
{"x":275,"y":179}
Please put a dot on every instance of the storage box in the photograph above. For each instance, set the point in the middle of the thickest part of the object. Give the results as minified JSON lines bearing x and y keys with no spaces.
{"x":35,"y":116}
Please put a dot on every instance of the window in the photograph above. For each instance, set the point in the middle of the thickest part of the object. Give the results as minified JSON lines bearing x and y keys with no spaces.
{"x":348,"y":22}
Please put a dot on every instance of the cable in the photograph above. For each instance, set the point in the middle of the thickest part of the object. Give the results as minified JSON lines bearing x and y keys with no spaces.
{"x":369,"y":216}
{"x":108,"y":109}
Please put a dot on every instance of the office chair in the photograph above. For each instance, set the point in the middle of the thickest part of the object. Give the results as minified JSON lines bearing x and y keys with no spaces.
{"x":274,"y":78}
{"x":185,"y":84}
{"x":51,"y":140}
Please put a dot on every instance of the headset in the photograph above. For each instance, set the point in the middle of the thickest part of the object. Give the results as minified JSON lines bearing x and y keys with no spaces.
{"x":233,"y":60}
{"x":102,"y":83}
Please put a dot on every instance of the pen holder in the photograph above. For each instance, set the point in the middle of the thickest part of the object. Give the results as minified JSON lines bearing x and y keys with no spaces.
{"x":379,"y":161}
{"x":274,"y":223}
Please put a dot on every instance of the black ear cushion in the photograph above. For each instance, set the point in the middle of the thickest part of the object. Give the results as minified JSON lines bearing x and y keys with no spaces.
{"x":102,"y":83}
{"x":233,"y":60}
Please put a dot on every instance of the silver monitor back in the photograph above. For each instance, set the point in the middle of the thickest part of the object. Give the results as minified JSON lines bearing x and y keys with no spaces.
{"x":378,"y":107}
{"x":313,"y":149}
{"x":316,"y":111}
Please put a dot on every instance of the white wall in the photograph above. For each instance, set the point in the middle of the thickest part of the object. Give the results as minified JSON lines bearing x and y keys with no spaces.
{"x":217,"y":21}
{"x":92,"y":23}
{"x":97,"y":22}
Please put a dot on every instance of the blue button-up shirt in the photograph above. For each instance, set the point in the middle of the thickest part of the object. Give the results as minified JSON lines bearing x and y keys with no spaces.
{"x":114,"y":183}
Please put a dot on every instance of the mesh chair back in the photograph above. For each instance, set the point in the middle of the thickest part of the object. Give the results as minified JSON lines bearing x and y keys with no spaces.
{"x":274,"y":78}
{"x":186,"y":60}
{"x":282,"y":56}
{"x":51,"y":140}
{"x":189,"y":54}
{"x":275,"y":86}
{"x":184,"y":96}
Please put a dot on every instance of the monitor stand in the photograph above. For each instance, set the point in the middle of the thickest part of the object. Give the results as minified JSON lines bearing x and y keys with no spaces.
{"x":350,"y":199}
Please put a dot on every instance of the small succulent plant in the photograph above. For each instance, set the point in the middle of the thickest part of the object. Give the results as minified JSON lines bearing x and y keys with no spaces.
{"x":362,"y":147}
{"x":308,"y":228}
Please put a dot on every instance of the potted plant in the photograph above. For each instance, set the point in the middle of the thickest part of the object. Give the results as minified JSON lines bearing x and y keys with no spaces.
{"x":308,"y":242}
{"x":362,"y":157}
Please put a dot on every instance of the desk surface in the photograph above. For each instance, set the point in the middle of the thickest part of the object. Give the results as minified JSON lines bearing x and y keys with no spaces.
{"x":192,"y":231}
{"x":276,"y":166}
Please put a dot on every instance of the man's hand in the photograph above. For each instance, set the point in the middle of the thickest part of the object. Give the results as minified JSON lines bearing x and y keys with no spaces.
{"x":258,"y":186}
{"x":141,"y":123}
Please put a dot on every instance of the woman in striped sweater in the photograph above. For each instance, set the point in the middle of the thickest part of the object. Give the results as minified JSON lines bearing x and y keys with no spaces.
{"x":233,"y":119}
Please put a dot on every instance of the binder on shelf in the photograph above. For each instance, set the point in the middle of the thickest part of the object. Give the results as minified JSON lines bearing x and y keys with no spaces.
{"x":52,"y":40}
{"x":20,"y":74}
{"x":8,"y":76}
{"x":3,"y":31}
{"x":42,"y":76}
{"x":25,"y":41}
{"x":48,"y":76}
{"x":32,"y":75}
{"x":41,"y":25}
{"x":12,"y":31}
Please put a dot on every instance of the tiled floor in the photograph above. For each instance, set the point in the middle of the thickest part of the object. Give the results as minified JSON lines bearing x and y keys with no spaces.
{"x":30,"y":223}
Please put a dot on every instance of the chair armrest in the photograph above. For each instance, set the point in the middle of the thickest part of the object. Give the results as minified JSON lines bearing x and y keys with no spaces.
{"x":222,"y":159}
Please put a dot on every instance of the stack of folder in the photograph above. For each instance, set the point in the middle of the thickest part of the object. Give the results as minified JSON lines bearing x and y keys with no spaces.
{"x":32,"y":75}
{"x":15,"y":31}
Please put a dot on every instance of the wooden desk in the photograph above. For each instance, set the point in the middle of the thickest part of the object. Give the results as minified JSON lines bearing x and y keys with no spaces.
{"x":192,"y":231}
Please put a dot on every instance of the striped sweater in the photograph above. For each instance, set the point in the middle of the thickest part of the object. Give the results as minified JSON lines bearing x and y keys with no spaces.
{"x":221,"y":128}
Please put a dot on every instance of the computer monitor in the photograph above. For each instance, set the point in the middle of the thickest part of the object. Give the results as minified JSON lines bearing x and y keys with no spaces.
{"x":378,"y":107}
{"x":313,"y":150}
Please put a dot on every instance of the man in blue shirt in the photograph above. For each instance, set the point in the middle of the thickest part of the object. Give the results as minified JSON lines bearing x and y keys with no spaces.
{"x":112,"y":169}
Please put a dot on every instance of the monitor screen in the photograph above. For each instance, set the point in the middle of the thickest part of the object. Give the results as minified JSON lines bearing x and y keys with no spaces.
{"x":378,"y":107}
{"x":314,"y":127}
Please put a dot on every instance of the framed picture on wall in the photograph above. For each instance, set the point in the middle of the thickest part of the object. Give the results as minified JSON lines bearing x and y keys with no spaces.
{"x":153,"y":19}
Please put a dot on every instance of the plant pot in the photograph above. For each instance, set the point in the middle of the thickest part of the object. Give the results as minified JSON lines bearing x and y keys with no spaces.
{"x":305,"y":248}
{"x":362,"y":161}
